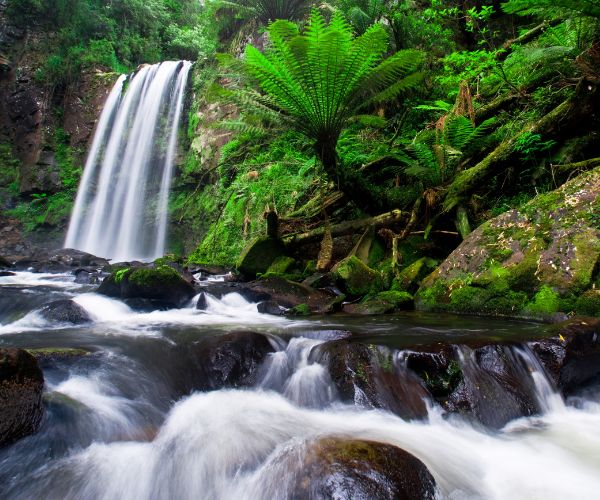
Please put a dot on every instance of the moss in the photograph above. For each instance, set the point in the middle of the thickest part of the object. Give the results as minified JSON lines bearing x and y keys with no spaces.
{"x":120,"y":274}
{"x":357,"y":278}
{"x":62,"y":352}
{"x":442,"y":384}
{"x":583,"y":264}
{"x":281,"y":265}
{"x":410,"y":277}
{"x":299,"y":310}
{"x":376,"y":252}
{"x":545,"y":302}
{"x":259,"y":256}
{"x":152,"y":277}
{"x":400,"y":300}
{"x":588,"y":303}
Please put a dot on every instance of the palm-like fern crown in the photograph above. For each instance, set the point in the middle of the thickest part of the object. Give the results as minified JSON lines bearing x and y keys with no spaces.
{"x":324,"y":76}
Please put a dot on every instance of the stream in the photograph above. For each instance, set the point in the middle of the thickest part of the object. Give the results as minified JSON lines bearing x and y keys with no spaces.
{"x":124,"y":422}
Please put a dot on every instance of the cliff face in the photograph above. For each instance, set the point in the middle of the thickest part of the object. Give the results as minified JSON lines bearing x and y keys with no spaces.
{"x":37,"y":119}
{"x":31,"y":109}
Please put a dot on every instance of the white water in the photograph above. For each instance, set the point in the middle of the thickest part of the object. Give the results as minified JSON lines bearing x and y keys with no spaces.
{"x":121,"y":206}
{"x":248,"y":444}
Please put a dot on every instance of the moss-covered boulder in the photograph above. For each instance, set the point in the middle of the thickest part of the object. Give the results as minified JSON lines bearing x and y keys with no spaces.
{"x":21,"y":385}
{"x":259,"y":256}
{"x":537,"y":261}
{"x":65,"y":311}
{"x":409,"y":279}
{"x":347,"y":468}
{"x":382,"y":303}
{"x":160,"y":286}
{"x":356,"y":278}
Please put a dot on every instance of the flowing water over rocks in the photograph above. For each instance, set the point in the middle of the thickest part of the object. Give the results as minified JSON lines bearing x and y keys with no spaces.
{"x":226,"y":402}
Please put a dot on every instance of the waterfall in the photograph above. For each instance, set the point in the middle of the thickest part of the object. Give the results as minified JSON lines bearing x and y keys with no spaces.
{"x":121,"y":207}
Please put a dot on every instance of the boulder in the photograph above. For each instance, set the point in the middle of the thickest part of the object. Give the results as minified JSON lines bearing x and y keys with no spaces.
{"x":65,"y":311}
{"x":163,"y":286}
{"x":21,"y":385}
{"x":533,"y":262}
{"x":259,"y":256}
{"x":381,"y":303}
{"x":201,"y":305}
{"x":355,"y":278}
{"x":409,"y":279}
{"x":355,"y":469}
{"x":571,"y":357}
{"x":4,"y":274}
{"x":87,"y":277}
{"x":287,"y":293}
{"x":5,"y":263}
{"x":270,"y":307}
{"x":229,"y":360}
{"x":367,"y":376}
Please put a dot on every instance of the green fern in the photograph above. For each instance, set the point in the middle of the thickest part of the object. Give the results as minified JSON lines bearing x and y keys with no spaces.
{"x":268,"y":10}
{"x":550,"y":8}
{"x":323,"y":77}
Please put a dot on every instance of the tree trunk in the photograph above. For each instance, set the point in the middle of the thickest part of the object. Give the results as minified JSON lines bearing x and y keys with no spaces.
{"x":344,"y":228}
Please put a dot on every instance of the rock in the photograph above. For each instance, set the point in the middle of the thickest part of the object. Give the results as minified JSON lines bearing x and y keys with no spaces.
{"x":367,"y":376}
{"x":409,"y":279}
{"x":532,"y":262}
{"x":87,"y":277}
{"x":229,"y":360}
{"x":287,"y":293}
{"x":65,"y":311}
{"x":382,"y":303}
{"x":201,"y":305}
{"x":571,"y":357}
{"x":5,"y":263}
{"x":282,"y":265}
{"x":163,"y":286}
{"x":21,"y":385}
{"x":259,"y":255}
{"x":495,"y":387}
{"x":355,"y":469}
{"x":55,"y":353}
{"x":270,"y":307}
{"x":588,"y":303}
{"x":4,"y":274}
{"x":356,"y":279}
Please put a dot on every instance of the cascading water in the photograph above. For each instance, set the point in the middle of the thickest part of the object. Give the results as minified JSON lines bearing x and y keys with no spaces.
{"x":123,"y":421}
{"x":121,"y":206}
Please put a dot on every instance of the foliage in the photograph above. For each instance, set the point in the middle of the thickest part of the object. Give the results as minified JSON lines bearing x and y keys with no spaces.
{"x":323,"y":77}
{"x":589,"y":8}
{"x":268,"y":10}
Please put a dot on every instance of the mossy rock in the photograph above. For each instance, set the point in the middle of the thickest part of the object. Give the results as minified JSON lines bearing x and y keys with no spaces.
{"x":299,"y":310}
{"x":382,"y":303}
{"x":335,"y":467}
{"x":259,"y":256}
{"x":536,"y":262}
{"x":411,"y":276}
{"x":588,"y":303}
{"x":356,"y":278}
{"x":162,"y":286}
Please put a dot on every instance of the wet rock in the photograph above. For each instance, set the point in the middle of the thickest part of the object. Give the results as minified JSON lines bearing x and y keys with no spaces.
{"x":437,"y":366}
{"x":287,"y":293}
{"x":55,"y":353}
{"x":21,"y":385}
{"x":382,"y":303}
{"x":162,"y":285}
{"x":532,"y":262}
{"x":6,"y":273}
{"x":201,"y":305}
{"x":368,"y":376}
{"x":5,"y":263}
{"x":229,"y":360}
{"x":65,"y":311}
{"x":355,"y":469}
{"x":87,"y":277}
{"x":270,"y":307}
{"x":259,"y":256}
{"x":64,"y":260}
{"x":571,"y":357}
{"x":496,"y":387}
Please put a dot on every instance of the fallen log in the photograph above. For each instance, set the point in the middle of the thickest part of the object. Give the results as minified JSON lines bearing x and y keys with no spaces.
{"x":347,"y":227}
{"x":580,"y":165}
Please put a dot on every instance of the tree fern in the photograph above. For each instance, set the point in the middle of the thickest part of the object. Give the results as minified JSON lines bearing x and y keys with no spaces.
{"x":550,"y":8}
{"x":323,"y":76}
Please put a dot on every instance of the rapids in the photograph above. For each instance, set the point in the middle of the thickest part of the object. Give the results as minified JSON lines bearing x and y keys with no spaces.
{"x":120,"y":424}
